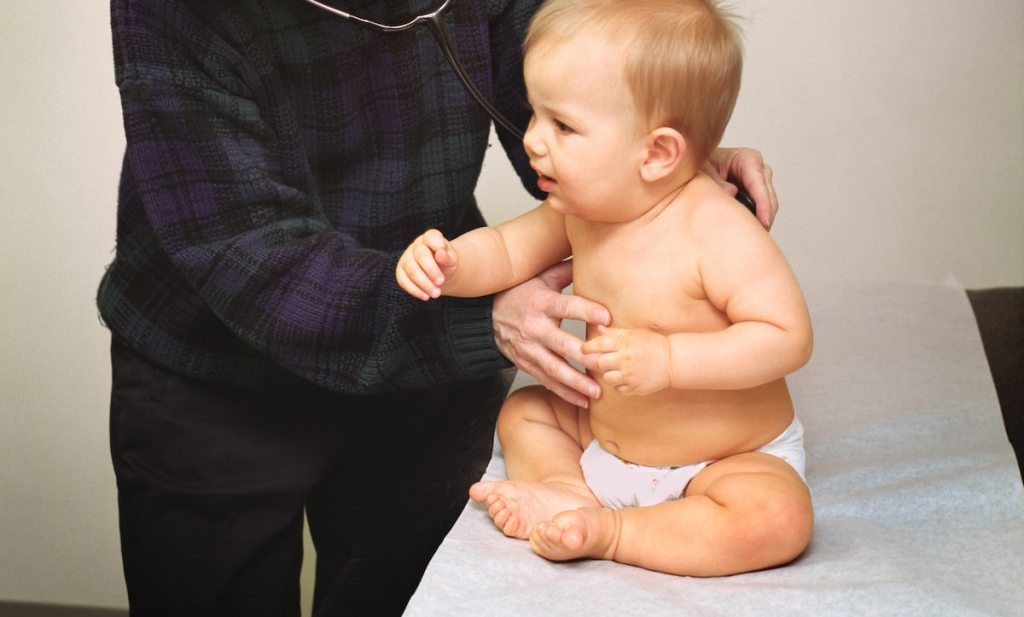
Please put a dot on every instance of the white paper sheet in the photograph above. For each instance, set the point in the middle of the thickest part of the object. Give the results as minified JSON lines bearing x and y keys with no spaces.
{"x":918,"y":501}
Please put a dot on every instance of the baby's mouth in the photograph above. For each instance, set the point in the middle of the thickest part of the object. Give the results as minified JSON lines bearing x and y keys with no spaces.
{"x":546,"y":183}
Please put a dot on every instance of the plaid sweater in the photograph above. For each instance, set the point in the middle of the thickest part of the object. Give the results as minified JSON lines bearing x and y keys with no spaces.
{"x":278,"y":161}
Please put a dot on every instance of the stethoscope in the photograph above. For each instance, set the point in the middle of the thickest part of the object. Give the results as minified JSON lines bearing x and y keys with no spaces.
{"x":436,"y":25}
{"x":434,"y":22}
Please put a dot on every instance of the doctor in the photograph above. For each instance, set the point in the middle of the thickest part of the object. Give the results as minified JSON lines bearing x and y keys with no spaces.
{"x":265,"y":365}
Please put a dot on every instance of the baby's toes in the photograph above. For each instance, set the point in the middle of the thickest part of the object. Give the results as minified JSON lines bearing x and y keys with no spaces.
{"x":499,"y":514}
{"x":545,"y":539}
{"x":512,"y":526}
{"x":571,"y":528}
{"x":498,"y":507}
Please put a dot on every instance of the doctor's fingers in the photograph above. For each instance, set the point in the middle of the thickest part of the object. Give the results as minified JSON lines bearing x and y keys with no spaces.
{"x":562,"y":306}
{"x":770,"y":210}
{"x":756,"y":176}
{"x":557,"y":375}
{"x":578,"y":308}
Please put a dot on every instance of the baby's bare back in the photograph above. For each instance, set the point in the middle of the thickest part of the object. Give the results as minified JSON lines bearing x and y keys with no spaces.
{"x":648,"y":277}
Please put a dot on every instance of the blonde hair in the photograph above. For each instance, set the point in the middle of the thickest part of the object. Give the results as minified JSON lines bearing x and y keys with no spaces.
{"x":682,"y":58}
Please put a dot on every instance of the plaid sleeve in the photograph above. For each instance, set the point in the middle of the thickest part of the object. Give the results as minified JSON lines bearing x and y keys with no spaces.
{"x":222,"y":175}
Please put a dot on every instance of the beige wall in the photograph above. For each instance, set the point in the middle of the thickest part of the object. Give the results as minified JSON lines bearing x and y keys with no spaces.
{"x":60,"y":146}
{"x":896,"y":130}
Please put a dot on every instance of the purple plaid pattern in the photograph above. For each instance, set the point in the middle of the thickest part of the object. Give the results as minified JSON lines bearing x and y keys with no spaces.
{"x":278,"y":161}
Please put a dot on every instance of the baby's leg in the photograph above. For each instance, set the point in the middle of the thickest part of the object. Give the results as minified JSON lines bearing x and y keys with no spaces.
{"x":541,"y":438}
{"x":747,"y":512}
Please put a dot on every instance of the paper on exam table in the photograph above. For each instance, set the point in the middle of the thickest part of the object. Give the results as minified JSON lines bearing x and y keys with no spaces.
{"x":918,"y":501}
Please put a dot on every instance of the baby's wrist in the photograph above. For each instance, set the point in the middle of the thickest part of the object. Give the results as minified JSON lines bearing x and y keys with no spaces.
{"x":673,"y":365}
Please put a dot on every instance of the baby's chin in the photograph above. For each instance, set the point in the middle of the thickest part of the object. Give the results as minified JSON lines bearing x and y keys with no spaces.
{"x":556,"y":203}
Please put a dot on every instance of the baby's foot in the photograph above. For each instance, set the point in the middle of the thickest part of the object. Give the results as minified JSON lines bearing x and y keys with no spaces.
{"x":516,"y":507}
{"x":585,"y":532}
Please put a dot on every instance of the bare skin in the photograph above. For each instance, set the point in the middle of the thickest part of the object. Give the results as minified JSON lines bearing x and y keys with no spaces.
{"x":544,"y":485}
{"x":518,"y":507}
{"x":707,"y":319}
{"x":745,"y":512}
{"x":731,"y":520}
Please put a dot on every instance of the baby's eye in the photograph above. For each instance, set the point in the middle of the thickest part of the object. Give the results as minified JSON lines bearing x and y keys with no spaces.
{"x":563,"y":127}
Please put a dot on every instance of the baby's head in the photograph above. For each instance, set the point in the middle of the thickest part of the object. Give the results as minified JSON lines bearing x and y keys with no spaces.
{"x":681,"y":59}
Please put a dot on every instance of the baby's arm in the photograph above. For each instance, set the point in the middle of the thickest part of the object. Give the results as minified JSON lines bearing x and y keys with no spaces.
{"x":486,"y":260}
{"x":747,"y":277}
{"x":744,"y":275}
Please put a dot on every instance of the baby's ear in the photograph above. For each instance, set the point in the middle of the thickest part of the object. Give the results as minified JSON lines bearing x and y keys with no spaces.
{"x":665,"y":149}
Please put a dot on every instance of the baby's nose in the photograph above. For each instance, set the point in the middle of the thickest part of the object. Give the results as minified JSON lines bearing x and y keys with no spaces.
{"x":532,"y":141}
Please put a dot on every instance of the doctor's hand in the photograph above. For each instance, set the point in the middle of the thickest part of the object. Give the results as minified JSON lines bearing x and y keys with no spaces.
{"x":747,"y":167}
{"x":526,"y":330}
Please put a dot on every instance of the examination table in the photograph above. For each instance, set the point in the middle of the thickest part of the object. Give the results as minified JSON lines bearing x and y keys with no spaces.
{"x":918,"y":497}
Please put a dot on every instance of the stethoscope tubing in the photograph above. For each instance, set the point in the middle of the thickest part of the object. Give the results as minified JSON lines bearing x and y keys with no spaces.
{"x":435,"y":24}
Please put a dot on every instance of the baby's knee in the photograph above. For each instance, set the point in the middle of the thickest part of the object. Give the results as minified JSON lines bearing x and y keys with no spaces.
{"x":525,"y":402}
{"x":783,"y":530}
{"x":528,"y":404}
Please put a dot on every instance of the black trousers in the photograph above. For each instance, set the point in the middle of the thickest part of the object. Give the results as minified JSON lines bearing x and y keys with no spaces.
{"x":213,"y":481}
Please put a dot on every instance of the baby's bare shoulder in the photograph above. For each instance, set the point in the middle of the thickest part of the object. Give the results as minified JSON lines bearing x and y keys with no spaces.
{"x":709,"y":209}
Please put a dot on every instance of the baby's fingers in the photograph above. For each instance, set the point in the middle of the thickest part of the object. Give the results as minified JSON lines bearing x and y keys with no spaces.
{"x":424,"y":257}
{"x":447,"y":259}
{"x":443,"y":254}
{"x":609,"y":362}
{"x":406,"y":282}
{"x":601,"y":344}
{"x":413,"y":273}
{"x":617,"y":381}
{"x":614,"y":379}
{"x":434,"y":239}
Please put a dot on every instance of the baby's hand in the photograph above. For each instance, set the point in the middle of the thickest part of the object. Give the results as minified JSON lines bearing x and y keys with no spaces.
{"x":633,"y":361}
{"x":426,"y":264}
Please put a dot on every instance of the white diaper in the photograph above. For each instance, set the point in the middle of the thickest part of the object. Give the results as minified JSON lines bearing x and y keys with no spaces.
{"x":620,"y":484}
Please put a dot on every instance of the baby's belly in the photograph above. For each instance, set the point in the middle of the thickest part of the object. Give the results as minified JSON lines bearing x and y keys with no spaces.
{"x":680,"y":427}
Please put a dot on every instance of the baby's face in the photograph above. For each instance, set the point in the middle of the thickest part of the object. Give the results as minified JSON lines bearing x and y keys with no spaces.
{"x":585,"y":140}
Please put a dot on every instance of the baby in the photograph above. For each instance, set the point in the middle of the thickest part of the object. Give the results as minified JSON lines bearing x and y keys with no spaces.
{"x":691,"y":461}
